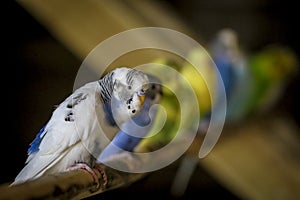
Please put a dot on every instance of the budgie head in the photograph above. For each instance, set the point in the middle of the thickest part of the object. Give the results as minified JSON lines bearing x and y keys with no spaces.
{"x":129,"y":88}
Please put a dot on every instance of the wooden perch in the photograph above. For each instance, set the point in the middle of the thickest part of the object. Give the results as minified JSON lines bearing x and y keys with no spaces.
{"x":78,"y":184}
{"x":75,"y":184}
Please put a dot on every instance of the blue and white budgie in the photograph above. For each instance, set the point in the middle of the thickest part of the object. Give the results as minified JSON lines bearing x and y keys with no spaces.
{"x":83,"y":124}
{"x":134,"y":131}
{"x":231,"y":61}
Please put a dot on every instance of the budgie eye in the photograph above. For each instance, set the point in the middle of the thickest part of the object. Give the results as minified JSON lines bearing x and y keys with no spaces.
{"x":141,"y":92}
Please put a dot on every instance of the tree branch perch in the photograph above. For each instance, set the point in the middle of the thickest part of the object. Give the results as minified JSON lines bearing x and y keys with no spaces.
{"x":75,"y":184}
{"x":78,"y":184}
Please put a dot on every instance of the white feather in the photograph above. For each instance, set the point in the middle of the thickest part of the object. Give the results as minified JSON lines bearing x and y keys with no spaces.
{"x":77,"y":131}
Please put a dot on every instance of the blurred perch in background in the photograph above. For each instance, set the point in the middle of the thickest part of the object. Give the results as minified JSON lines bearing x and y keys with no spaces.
{"x":81,"y":26}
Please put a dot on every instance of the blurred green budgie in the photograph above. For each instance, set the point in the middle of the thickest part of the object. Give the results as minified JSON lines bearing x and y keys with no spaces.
{"x":271,"y":70}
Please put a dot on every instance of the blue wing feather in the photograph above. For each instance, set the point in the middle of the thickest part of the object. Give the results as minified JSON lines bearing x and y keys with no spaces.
{"x":35,"y":144}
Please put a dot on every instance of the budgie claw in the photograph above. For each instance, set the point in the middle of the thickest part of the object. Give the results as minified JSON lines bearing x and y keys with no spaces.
{"x":91,"y":171}
{"x":101,"y":170}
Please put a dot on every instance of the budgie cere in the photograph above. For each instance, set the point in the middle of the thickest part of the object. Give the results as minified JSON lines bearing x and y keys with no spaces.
{"x":84,"y":123}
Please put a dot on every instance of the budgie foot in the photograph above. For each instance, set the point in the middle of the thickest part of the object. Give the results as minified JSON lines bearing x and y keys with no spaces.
{"x":97,"y":173}
{"x":101,"y":170}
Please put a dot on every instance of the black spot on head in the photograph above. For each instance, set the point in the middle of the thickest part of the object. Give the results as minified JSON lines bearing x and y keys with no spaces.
{"x":129,"y":87}
{"x":129,"y":101}
{"x":153,"y":86}
{"x":128,"y":107}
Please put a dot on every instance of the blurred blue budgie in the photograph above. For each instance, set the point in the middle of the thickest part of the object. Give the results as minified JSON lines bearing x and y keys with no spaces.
{"x":224,"y":51}
{"x":133,"y":131}
{"x":231,"y":62}
{"x":83,"y":124}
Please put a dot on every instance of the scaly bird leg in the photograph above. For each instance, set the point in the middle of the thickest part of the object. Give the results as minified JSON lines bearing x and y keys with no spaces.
{"x":91,"y":171}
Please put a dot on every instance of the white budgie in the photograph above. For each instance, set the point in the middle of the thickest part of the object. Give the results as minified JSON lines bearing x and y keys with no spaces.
{"x":83,"y":124}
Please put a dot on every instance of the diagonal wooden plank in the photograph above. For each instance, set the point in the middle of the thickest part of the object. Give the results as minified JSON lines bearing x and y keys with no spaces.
{"x":259,"y":160}
{"x":81,"y":25}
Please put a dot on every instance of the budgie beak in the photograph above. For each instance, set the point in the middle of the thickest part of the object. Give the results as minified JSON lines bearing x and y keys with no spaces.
{"x":142,"y":99}
{"x":142,"y":95}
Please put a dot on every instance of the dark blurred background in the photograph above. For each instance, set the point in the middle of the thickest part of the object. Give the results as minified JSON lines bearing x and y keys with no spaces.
{"x":40,"y":72}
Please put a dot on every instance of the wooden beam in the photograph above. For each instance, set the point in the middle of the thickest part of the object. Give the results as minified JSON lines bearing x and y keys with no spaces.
{"x":259,"y":160}
{"x":81,"y":25}
{"x":75,"y":184}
